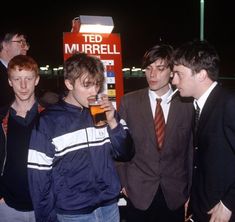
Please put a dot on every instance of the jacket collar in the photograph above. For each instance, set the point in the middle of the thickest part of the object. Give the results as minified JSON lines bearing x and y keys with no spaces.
{"x":6,"y":117}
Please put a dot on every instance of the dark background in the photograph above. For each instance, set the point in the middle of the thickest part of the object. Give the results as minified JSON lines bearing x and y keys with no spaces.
{"x":140,"y":24}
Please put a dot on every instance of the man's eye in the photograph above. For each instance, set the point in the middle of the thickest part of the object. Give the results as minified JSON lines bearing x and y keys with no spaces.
{"x":88,"y":84}
{"x":98,"y":84}
{"x":161,"y":69}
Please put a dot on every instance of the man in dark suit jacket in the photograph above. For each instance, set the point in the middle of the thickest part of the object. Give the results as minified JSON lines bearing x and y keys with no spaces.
{"x":196,"y":70}
{"x":157,"y":180}
{"x":12,"y":43}
{"x":6,"y":92}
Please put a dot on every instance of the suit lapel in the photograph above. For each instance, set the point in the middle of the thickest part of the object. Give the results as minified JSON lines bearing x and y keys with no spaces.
{"x":208,"y":107}
{"x":146,"y":114}
{"x":172,"y":118}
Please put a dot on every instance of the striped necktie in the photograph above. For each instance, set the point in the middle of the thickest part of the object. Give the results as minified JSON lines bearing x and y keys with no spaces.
{"x":159,"y":122}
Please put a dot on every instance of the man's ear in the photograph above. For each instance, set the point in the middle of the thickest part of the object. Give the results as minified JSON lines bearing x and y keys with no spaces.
{"x":202,"y":75}
{"x":68,"y":84}
{"x":9,"y":81}
{"x":37,"y":80}
{"x":5,"y":45}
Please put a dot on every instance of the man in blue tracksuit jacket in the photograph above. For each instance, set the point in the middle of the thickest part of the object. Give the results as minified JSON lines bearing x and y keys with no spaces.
{"x":71,"y":167}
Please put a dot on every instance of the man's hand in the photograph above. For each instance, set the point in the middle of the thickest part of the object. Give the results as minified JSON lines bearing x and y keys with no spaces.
{"x":124,"y":191}
{"x":220,"y":213}
{"x":187,"y":214}
{"x":109,"y":109}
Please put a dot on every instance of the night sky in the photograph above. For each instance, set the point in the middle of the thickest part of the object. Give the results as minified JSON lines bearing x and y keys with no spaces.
{"x":140,"y":25}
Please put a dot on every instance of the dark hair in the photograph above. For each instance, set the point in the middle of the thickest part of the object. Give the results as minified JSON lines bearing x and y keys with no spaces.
{"x":80,"y":63}
{"x":8,"y":36}
{"x":161,"y":51}
{"x":197,"y":55}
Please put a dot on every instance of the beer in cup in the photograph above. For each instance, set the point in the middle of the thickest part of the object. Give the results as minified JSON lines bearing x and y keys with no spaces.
{"x":98,"y":114}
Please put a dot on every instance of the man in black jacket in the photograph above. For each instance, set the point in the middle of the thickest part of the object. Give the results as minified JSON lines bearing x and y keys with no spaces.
{"x":196,"y":71}
{"x":11,"y":44}
{"x":17,"y":122}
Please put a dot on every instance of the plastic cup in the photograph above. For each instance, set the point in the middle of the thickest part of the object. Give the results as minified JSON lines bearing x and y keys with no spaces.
{"x":97,"y":113}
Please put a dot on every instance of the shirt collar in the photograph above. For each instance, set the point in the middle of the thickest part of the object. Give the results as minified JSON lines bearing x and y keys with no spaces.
{"x":164,"y":97}
{"x":4,"y":63}
{"x":202,"y":100}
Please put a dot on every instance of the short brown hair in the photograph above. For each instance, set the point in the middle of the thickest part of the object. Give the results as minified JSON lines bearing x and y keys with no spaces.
{"x":81,"y":63}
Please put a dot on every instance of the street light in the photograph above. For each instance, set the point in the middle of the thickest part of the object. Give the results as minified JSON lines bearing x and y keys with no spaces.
{"x":201,"y":20}
{"x":92,"y":24}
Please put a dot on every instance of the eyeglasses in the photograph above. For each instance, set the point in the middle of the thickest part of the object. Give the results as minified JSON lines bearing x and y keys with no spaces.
{"x":23,"y":43}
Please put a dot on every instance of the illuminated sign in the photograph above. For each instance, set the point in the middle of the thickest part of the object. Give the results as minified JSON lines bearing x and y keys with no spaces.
{"x":108,"y":49}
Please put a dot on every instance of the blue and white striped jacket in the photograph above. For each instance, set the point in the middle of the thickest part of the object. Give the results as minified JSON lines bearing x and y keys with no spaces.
{"x":71,"y":163}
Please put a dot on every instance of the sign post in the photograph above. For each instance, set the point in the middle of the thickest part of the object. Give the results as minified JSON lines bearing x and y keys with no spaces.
{"x":107,"y":47}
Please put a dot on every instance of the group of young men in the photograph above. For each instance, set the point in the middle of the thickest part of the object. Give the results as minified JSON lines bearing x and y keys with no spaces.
{"x":57,"y":166}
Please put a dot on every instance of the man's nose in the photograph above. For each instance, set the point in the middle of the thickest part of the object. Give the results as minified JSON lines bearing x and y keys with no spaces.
{"x":23,"y":84}
{"x":175,"y":80}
